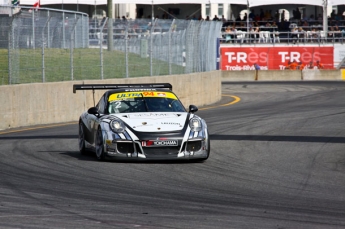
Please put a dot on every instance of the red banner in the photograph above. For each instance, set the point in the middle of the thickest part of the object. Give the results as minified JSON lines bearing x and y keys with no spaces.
{"x":274,"y":58}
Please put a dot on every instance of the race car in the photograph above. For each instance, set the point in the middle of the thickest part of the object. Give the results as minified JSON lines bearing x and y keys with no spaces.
{"x":142,"y":122}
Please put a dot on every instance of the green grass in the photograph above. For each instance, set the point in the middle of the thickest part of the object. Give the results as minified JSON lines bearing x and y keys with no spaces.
{"x":27,"y":65}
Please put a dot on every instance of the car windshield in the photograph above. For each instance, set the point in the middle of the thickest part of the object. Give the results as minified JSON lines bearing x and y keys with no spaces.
{"x":141,"y":102}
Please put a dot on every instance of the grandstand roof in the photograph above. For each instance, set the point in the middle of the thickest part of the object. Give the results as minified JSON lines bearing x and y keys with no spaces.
{"x":251,"y":3}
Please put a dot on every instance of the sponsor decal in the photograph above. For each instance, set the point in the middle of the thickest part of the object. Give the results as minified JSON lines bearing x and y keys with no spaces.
{"x":139,"y":94}
{"x":170,"y":123}
{"x":140,"y":90}
{"x":243,"y":58}
{"x":151,"y":115}
{"x":160,"y":142}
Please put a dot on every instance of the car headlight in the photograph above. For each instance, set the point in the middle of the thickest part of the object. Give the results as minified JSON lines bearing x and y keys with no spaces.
{"x":195,"y":124}
{"x":117,"y":126}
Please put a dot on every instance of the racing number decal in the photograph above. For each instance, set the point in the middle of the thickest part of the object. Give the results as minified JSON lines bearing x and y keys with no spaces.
{"x":117,"y":104}
{"x":147,"y":93}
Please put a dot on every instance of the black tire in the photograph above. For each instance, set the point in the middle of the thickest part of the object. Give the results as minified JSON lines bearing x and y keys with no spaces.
{"x":99,"y":146}
{"x":209,"y":145}
{"x":81,"y":139}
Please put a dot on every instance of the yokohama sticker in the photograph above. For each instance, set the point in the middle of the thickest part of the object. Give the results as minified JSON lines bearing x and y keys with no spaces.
{"x":154,"y":143}
{"x":274,"y":58}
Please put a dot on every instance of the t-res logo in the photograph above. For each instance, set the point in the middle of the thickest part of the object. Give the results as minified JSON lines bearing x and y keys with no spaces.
{"x":304,"y":57}
{"x":246,"y":57}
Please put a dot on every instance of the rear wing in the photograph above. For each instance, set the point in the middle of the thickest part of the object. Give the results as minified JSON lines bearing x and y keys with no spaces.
{"x":117,"y":86}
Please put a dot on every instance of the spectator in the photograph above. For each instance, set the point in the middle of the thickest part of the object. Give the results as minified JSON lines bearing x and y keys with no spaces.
{"x":254,"y":34}
{"x":288,"y":65}
{"x":252,"y":15}
{"x":319,"y":65}
{"x":282,"y":18}
{"x":301,"y":34}
{"x":294,"y":35}
{"x":300,"y":66}
{"x":310,"y":65}
{"x":256,"y":66}
{"x":337,"y":33}
{"x":215,"y":18}
{"x":297,"y":14}
{"x":245,"y":17}
{"x":330,"y":35}
{"x":291,"y":65}
{"x":229,"y":34}
{"x":314,"y":35}
{"x":305,"y":24}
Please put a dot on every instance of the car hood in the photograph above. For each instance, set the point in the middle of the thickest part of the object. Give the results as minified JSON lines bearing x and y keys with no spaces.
{"x":155,"y":121}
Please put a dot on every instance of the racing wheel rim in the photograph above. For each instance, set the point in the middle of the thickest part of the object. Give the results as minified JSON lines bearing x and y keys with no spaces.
{"x":99,"y":145}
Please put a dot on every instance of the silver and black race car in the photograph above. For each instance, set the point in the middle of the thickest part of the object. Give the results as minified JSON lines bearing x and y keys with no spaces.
{"x":142,"y":121}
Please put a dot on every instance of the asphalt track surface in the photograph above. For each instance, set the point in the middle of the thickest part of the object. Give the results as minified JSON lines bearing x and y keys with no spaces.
{"x":277,"y":161}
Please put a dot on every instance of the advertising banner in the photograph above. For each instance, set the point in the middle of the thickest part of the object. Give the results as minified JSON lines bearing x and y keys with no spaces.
{"x":274,"y":58}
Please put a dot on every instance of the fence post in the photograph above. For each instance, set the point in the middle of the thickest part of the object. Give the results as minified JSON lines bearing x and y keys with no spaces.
{"x":48,"y":33}
{"x":72,"y":49}
{"x":169,"y":45}
{"x":63,"y":30}
{"x":33,"y":29}
{"x":151,"y":48}
{"x":126,"y":50}
{"x":101,"y":45}
{"x":9,"y":52}
{"x":43,"y":43}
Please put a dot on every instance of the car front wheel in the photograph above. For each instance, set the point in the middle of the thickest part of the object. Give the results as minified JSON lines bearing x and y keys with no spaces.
{"x":99,"y":145}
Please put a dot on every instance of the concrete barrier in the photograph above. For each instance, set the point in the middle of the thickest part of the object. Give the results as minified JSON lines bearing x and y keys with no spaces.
{"x":262,"y":75}
{"x":47,"y":103}
{"x":316,"y":74}
{"x":245,"y":75}
{"x":282,"y":75}
{"x":279,"y":75}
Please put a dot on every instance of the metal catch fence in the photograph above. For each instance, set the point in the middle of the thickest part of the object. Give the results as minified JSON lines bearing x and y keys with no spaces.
{"x":47,"y":45}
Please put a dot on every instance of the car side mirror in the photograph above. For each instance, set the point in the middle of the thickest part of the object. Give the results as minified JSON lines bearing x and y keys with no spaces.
{"x":193,"y":109}
{"x":93,"y":111}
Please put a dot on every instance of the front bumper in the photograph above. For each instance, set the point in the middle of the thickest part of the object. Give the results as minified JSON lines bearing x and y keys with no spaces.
{"x":194,"y":148}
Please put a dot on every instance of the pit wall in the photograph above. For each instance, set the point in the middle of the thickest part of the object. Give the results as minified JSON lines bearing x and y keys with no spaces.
{"x":283,"y":75}
{"x":48,"y":103}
